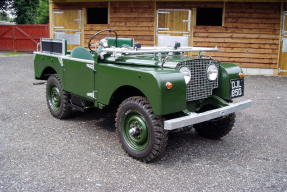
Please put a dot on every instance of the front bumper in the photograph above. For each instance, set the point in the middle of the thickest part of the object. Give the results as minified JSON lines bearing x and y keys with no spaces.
{"x":195,"y":118}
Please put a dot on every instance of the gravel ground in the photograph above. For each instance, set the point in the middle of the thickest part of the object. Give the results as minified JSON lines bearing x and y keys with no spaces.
{"x":41,"y":153}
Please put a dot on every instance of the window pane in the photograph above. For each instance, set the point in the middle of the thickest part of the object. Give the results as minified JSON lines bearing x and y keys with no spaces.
{"x":209,"y":16}
{"x":97,"y":15}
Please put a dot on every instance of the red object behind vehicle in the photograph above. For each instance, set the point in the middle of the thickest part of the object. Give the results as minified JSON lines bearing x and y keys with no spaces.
{"x":22,"y":37}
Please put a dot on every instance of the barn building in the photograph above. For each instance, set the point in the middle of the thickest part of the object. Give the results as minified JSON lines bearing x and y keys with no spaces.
{"x":250,"y":33}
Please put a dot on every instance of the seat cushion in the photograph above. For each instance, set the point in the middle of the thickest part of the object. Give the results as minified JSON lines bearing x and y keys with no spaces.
{"x":121,"y":42}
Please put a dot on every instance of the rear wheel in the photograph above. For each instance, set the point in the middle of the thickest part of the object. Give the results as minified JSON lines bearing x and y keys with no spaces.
{"x":140,"y":131}
{"x":57,"y":98}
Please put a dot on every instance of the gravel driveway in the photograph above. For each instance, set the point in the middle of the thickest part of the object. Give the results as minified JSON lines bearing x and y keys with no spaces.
{"x":40,"y":153}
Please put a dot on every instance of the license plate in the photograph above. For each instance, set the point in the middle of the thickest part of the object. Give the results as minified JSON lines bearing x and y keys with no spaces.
{"x":237,"y":88}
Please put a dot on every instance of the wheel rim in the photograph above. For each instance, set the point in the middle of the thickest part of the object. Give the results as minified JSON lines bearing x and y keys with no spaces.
{"x":54,"y":98}
{"x":135,"y":131}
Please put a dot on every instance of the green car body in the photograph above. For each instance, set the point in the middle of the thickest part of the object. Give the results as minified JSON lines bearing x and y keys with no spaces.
{"x":141,"y":73}
{"x":153,"y":93}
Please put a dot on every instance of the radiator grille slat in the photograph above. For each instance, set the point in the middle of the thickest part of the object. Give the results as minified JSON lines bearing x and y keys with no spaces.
{"x":199,"y":86}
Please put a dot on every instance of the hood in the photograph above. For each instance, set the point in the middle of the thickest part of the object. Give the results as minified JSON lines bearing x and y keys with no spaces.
{"x":146,"y":60}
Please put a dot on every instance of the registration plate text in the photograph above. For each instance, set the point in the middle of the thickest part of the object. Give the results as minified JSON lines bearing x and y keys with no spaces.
{"x":237,"y":88}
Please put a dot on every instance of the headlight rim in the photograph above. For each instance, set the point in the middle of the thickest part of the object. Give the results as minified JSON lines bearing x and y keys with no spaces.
{"x":208,"y":72}
{"x":187,"y":77}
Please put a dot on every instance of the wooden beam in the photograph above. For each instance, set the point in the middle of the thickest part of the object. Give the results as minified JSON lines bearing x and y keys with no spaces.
{"x":83,"y":23}
{"x":155,"y":24}
{"x":279,"y":44}
{"x":51,"y":18}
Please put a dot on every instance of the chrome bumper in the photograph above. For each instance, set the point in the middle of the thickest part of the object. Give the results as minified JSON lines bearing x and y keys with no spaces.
{"x":195,"y":118}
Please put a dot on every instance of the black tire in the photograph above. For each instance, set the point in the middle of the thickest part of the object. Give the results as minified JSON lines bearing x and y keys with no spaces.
{"x":217,"y":128}
{"x":156,"y":137}
{"x":62,"y":110}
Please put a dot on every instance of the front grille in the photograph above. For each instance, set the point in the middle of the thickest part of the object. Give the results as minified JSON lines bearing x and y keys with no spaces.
{"x":199,"y":86}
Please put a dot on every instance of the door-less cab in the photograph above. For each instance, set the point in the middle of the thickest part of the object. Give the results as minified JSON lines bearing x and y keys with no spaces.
{"x":153,"y":89}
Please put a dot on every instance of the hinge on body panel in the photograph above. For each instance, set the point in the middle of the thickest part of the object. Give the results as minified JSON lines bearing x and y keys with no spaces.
{"x":61,"y":61}
{"x":91,"y":66}
{"x":92,"y":94}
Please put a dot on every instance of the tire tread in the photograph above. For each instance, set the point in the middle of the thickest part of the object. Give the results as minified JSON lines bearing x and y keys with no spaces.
{"x":65,"y":110}
{"x":160,"y":134}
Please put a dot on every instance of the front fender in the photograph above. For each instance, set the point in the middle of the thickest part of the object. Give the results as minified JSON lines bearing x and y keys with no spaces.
{"x":227,"y":71}
{"x":150,"y":81}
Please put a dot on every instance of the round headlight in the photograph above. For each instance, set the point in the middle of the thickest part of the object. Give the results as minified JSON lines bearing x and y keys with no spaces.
{"x":212,"y":72}
{"x":186,"y":73}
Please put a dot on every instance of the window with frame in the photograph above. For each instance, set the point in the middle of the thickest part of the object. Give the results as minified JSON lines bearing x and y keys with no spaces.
{"x":97,"y":16}
{"x":209,"y":17}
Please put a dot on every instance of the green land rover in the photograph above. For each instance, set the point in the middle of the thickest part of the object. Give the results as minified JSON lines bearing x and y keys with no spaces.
{"x":153,"y":89}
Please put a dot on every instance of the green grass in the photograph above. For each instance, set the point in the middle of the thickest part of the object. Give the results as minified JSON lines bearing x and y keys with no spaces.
{"x":12,"y":53}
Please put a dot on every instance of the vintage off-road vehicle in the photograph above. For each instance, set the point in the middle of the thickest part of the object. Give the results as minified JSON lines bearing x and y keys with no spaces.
{"x":154,"y":89}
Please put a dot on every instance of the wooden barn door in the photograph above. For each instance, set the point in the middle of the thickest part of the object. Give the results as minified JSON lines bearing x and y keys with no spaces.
{"x":67,"y":25}
{"x":283,"y":54}
{"x":173,"y":25}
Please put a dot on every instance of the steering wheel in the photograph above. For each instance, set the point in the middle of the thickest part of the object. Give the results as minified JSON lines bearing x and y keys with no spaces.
{"x":104,"y":30}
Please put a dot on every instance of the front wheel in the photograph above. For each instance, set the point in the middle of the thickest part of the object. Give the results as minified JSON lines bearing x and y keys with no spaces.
{"x":216,"y":128}
{"x":140,"y":131}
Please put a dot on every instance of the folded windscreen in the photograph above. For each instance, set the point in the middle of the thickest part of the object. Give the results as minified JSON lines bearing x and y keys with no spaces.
{"x":53,"y":46}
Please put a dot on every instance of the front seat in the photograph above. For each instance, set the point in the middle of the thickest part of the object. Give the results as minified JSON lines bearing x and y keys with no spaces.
{"x":81,"y":53}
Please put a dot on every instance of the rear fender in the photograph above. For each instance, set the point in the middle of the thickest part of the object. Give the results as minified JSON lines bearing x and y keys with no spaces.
{"x":42,"y":62}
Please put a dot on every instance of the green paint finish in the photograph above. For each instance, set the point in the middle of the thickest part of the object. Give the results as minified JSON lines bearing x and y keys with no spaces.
{"x":121,"y":42}
{"x":54,"y":98}
{"x":135,"y":130}
{"x":144,"y":73}
{"x":78,"y":78}
{"x":81,"y":53}
{"x":150,"y":81}
{"x":227,"y":71}
{"x":43,"y":62}
{"x":213,"y":100}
